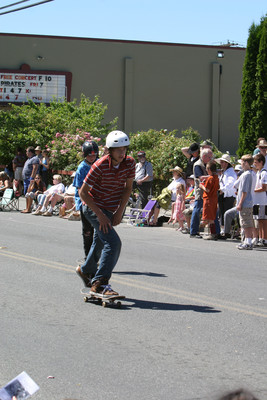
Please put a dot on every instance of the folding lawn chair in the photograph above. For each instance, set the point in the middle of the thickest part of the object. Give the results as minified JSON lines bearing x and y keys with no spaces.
{"x":9,"y":201}
{"x":138,"y":216}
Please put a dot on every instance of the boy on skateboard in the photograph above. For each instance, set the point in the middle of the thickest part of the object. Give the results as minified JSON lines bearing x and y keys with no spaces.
{"x":105,"y":193}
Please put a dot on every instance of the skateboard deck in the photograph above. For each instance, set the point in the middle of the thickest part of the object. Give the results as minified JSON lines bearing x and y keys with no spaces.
{"x":101,"y":299}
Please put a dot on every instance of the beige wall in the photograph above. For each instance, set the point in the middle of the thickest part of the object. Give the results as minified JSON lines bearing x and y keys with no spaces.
{"x":147,"y":85}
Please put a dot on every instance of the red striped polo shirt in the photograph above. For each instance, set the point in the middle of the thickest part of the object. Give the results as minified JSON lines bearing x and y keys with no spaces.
{"x":107,"y":182}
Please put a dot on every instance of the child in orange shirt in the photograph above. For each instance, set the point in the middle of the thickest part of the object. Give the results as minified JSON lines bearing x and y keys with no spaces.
{"x":210,"y":197}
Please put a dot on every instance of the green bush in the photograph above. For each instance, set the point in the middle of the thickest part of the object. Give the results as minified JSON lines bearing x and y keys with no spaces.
{"x":163,"y":150}
{"x":37,"y":124}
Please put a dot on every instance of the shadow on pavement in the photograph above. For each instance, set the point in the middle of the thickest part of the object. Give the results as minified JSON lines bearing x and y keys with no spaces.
{"x":151,"y":274}
{"x":153,"y":305}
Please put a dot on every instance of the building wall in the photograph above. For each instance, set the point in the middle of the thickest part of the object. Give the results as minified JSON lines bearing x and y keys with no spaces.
{"x":146,"y":85}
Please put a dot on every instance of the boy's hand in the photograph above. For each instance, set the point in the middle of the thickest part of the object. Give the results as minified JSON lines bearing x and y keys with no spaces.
{"x":104,"y":223}
{"x":239,"y":207}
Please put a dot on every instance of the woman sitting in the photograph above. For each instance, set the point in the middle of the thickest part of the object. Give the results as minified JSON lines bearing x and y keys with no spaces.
{"x":35,"y":188}
{"x":177,"y":177}
{"x":52,"y":195}
{"x":5,"y":182}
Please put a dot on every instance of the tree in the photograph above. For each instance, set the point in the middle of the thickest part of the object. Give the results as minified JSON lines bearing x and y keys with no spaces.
{"x":248,"y":92}
{"x":261,"y":85}
{"x":253,"y":104}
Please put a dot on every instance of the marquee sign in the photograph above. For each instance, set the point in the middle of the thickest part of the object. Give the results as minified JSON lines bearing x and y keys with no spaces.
{"x":23,"y":85}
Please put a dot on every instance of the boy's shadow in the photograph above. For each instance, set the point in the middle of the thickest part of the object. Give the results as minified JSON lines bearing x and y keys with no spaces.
{"x":151,"y":274}
{"x":154,"y":305}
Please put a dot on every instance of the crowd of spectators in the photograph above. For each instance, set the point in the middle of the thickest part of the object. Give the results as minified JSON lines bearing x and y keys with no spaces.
{"x":220,"y":194}
{"x":209,"y":192}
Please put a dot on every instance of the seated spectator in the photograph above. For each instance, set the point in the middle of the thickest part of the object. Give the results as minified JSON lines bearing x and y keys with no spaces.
{"x":69,"y":200}
{"x":5,"y":182}
{"x":229,"y":216}
{"x":52,"y":195}
{"x":35,"y":188}
{"x":177,"y":178}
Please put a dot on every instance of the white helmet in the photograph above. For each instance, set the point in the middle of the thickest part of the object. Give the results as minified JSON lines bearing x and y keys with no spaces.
{"x":117,"y":139}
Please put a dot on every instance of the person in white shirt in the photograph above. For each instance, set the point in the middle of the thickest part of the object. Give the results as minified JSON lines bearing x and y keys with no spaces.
{"x":227,"y":192}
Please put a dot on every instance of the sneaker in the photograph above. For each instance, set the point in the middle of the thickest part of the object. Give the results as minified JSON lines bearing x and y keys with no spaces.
{"x":224,"y":236}
{"x":196,"y":236}
{"x":260,"y":243}
{"x":37,"y":212}
{"x":254,"y":242}
{"x":86,"y":278}
{"x":185,"y":231}
{"x":47,"y":214}
{"x":102,"y":288}
{"x":210,"y":237}
{"x":108,"y":291}
{"x":245,"y":246}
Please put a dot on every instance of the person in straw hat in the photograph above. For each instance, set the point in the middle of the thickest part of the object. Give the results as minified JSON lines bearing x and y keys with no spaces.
{"x":227,"y":192}
{"x":262,"y":146}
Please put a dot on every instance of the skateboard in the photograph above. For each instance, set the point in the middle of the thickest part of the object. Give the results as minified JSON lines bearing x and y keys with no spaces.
{"x":100,"y":299}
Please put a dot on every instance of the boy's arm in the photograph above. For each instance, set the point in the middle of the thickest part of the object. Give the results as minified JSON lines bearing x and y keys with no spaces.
{"x":241,"y":201}
{"x":124,"y":199}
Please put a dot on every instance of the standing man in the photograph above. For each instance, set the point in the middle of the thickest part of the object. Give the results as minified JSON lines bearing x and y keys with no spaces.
{"x":105,"y":193}
{"x":192,"y":155}
{"x":199,"y":174}
{"x":29,"y":171}
{"x":18,"y":163}
{"x":90,"y":152}
{"x":143,"y":177}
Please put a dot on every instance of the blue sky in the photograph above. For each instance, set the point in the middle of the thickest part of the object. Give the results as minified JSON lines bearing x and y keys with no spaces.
{"x":206,"y":22}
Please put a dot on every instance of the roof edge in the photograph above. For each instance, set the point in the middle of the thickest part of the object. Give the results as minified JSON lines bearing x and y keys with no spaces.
{"x":122,"y":41}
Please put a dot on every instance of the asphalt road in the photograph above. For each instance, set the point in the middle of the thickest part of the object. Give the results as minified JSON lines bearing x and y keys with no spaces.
{"x":193,"y":324}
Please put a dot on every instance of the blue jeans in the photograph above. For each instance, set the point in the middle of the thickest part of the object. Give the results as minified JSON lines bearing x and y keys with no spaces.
{"x":194,"y":224}
{"x":105,"y":248}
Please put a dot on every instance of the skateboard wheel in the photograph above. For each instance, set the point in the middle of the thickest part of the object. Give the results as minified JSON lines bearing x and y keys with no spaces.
{"x":119,"y":304}
{"x":85,"y":299}
{"x":104,"y":304}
